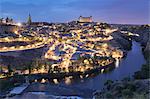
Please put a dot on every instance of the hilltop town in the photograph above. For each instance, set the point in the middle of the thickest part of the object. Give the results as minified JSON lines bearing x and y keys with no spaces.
{"x":77,"y":45}
{"x":42,"y":51}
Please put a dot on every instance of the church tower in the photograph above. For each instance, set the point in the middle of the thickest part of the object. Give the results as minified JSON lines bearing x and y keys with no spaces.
{"x":29,"y":20}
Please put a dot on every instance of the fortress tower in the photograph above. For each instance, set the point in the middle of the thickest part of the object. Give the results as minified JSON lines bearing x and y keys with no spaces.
{"x":85,"y":19}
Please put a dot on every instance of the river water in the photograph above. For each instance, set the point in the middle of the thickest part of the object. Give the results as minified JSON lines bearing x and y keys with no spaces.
{"x":126,"y":67}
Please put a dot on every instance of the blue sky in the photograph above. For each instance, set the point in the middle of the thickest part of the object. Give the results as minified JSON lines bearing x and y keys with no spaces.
{"x":111,"y":11}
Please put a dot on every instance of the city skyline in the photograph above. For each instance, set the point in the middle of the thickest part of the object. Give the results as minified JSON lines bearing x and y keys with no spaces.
{"x":114,"y":11}
{"x":74,"y":49}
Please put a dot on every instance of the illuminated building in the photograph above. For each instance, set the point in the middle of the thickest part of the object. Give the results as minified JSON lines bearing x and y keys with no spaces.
{"x":29,"y":20}
{"x":85,"y":19}
{"x":7,"y":28}
{"x":6,"y":21}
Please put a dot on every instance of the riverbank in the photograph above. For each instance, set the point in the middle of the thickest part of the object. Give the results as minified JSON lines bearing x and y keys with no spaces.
{"x":126,"y":67}
{"x":138,"y":86}
{"x":13,"y":82}
{"x":135,"y":87}
{"x":124,"y":89}
{"x":47,"y":90}
{"x":97,"y":82}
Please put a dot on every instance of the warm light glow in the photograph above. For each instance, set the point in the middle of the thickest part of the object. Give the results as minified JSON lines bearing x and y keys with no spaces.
{"x":81,"y":76}
{"x":102,"y":70}
{"x":16,"y":32}
{"x":43,"y":80}
{"x":19,"y":24}
{"x":68,"y":80}
{"x":117,"y":63}
{"x":55,"y":81}
{"x":87,"y":75}
{"x":35,"y":80}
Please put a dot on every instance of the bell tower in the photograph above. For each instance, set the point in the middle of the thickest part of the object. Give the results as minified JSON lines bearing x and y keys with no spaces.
{"x":29,"y":20}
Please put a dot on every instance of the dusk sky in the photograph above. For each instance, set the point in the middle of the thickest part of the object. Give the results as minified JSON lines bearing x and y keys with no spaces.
{"x":111,"y":11}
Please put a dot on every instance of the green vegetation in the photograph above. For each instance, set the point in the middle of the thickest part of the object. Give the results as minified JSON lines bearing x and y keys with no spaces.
{"x":105,"y":25}
{"x":125,"y":89}
{"x":5,"y":85}
{"x":136,"y":88}
{"x":10,"y":82}
{"x":143,"y":73}
{"x":9,"y":69}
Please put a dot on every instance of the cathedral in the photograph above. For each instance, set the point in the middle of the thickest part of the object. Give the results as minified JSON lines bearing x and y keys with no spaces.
{"x":29,"y":21}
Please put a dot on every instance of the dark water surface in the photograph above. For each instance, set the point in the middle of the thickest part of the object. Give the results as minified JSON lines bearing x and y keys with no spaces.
{"x":127,"y":66}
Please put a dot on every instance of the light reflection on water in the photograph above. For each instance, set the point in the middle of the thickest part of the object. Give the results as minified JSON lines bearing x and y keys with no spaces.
{"x":43,"y":80}
{"x":68,"y":80}
{"x":126,"y":67}
{"x":117,"y":63}
{"x":55,"y":81}
{"x":102,"y":70}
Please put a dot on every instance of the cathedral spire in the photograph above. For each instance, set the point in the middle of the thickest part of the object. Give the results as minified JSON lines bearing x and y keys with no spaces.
{"x":29,"y":19}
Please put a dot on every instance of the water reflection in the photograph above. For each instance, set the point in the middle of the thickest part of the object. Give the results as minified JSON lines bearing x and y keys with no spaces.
{"x":68,"y":80}
{"x":74,"y":79}
{"x":126,"y":67}
{"x":95,"y":81}
{"x":87,"y":75}
{"x":35,"y":80}
{"x":81,"y":76}
{"x":102,"y":70}
{"x":117,"y":63}
{"x":43,"y":80}
{"x":55,"y":81}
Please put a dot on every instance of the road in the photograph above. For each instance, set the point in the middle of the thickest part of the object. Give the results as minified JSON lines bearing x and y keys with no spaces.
{"x":21,"y":49}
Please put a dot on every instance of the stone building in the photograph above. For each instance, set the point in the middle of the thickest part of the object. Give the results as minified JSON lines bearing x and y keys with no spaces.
{"x":8,"y":28}
{"x":85,"y":19}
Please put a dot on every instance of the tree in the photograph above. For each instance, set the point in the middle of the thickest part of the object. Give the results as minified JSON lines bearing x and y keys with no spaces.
{"x":1,"y":69}
{"x":9,"y":69}
{"x":64,"y":69}
{"x":49,"y":67}
{"x":126,"y":79}
{"x":137,"y":75}
{"x":143,"y":73}
{"x":127,"y":93}
{"x":109,"y":95}
{"x":30,"y":68}
{"x":56,"y":69}
{"x":47,"y":64}
{"x":70,"y":68}
{"x":37,"y":63}
{"x":108,"y":84}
